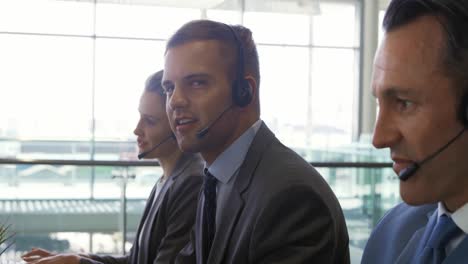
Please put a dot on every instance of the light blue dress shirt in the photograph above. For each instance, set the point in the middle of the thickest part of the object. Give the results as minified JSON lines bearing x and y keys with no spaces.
{"x":460,"y":217}
{"x":226,"y":166}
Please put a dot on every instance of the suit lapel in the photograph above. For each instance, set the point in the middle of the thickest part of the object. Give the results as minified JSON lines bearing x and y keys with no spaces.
{"x":418,"y":240}
{"x":150,"y":220}
{"x":459,"y":254}
{"x":182,"y":164}
{"x":226,"y":227}
{"x":412,"y":247}
{"x":159,"y":198}
{"x":199,"y":229}
{"x":136,"y":245}
{"x":262,"y":140}
{"x":235,"y":201}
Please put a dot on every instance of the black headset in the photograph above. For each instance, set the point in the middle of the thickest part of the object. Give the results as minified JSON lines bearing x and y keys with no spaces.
{"x":241,"y":89}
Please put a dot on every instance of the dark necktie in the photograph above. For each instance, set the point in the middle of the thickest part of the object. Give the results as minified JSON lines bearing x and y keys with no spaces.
{"x":209,"y":212}
{"x":444,"y":231}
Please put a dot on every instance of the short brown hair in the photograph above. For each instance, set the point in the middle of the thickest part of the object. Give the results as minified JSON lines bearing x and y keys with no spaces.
{"x":453,"y":16}
{"x":212,"y":30}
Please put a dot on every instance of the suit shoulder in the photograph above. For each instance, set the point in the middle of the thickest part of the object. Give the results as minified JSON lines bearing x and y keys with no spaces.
{"x":190,"y":180}
{"x":406,"y":214}
{"x":394,"y":230}
{"x":402,"y":220}
{"x":280,"y":168}
{"x":192,"y":172}
{"x":285,"y":159}
{"x":283,"y":174}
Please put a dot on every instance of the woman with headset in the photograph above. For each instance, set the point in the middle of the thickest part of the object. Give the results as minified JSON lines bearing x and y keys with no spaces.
{"x":170,"y":210}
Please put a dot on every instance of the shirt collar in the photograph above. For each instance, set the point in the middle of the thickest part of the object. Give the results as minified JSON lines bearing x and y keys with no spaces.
{"x":460,"y":216}
{"x":229,"y":161}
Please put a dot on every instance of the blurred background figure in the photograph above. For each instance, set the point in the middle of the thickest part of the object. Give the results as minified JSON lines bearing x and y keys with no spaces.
{"x":170,"y":210}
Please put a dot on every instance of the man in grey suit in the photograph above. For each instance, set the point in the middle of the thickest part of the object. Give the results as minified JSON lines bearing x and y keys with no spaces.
{"x":261,"y":202}
{"x":420,"y":81}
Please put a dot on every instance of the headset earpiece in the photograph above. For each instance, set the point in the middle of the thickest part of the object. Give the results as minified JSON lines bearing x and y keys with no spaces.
{"x":241,"y":89}
{"x":241,"y":92}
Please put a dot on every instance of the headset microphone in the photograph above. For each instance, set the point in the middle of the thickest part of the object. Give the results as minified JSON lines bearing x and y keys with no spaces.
{"x":143,"y":154}
{"x":406,"y":173}
{"x":202,"y":132}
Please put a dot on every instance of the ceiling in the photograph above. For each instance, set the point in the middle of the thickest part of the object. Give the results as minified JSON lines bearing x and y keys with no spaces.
{"x":283,"y":6}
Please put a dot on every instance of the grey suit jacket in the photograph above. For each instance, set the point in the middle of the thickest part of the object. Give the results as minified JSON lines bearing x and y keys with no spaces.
{"x":173,"y":216}
{"x":397,"y":237}
{"x":280,"y":210}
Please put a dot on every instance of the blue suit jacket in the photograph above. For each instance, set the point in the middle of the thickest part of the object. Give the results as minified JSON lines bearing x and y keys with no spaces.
{"x":396,"y":239}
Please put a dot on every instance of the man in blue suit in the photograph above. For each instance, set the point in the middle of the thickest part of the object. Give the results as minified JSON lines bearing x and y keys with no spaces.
{"x":420,"y":81}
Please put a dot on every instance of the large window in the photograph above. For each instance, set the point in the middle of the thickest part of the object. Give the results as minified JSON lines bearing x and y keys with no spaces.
{"x":73,"y":71}
{"x":46,"y":87}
